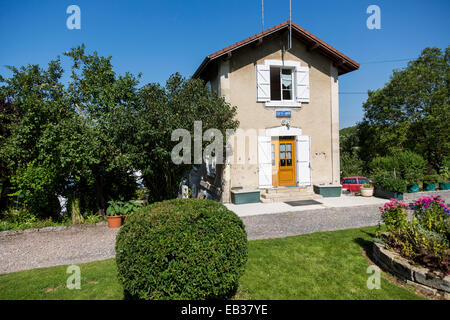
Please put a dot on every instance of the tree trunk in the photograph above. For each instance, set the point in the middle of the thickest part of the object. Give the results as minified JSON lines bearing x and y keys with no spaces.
{"x":100,"y":197}
{"x":4,"y":195}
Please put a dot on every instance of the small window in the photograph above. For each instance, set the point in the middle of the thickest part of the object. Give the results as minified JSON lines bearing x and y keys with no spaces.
{"x":281,"y":84}
{"x":362,"y":180}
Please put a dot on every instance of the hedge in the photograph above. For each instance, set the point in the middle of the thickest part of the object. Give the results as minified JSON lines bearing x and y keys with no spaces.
{"x":181,"y":249}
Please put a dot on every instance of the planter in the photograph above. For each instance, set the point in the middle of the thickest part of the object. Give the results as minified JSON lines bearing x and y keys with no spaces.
{"x":388,"y":194}
{"x":242,"y":196}
{"x":444,"y":185}
{"x":413,"y":188}
{"x":366,"y":192}
{"x":328,"y":190}
{"x":124,"y":217}
{"x":114,"y":221}
{"x":429,"y":186}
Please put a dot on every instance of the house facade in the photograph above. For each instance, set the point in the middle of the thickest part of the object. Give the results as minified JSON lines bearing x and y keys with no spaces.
{"x":286,"y":93}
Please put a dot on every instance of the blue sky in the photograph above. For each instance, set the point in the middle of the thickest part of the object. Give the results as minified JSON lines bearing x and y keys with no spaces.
{"x":159,"y":38}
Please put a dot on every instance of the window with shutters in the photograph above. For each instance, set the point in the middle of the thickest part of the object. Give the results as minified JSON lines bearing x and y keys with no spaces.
{"x":282,"y":83}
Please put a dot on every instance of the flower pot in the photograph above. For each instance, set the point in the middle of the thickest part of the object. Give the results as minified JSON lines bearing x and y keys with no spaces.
{"x":388,"y":194}
{"x":444,"y":185}
{"x":412,"y":188}
{"x":124,"y":217}
{"x":114,"y":221}
{"x":366,"y":192}
{"x":429,"y":186}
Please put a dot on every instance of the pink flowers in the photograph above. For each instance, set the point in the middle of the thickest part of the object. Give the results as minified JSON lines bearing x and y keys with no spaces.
{"x":394,"y":204}
{"x":430,"y":202}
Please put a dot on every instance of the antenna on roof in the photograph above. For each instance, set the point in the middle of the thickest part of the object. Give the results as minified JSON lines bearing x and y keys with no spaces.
{"x":290,"y":26}
{"x":262,"y":14}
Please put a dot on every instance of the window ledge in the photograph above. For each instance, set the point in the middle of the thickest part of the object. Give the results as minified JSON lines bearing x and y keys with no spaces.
{"x":284,"y":104}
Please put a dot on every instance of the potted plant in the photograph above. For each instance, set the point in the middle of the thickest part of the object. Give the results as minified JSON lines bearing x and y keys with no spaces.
{"x":367,"y":190}
{"x":113,"y":214}
{"x":444,"y":179}
{"x":413,"y":178}
{"x":429,"y":182}
{"x":388,"y":186}
{"x":129,"y":208}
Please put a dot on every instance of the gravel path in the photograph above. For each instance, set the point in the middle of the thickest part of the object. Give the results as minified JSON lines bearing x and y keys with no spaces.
{"x":28,"y":250}
{"x":293,"y":223}
{"x":72,"y":245}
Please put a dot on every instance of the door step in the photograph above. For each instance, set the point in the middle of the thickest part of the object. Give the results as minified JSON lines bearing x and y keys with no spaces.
{"x":284,"y":194}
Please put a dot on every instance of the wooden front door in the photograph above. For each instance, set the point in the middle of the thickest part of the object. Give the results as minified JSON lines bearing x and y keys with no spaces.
{"x":283,"y":162}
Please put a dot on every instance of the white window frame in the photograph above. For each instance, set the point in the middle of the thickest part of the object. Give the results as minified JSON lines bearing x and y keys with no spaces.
{"x":285,"y":64}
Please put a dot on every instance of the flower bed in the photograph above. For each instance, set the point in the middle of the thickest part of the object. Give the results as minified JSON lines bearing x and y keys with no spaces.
{"x":424,"y":240}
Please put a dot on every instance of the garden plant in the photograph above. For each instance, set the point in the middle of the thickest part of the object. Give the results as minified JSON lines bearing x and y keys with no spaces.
{"x":425,"y":238}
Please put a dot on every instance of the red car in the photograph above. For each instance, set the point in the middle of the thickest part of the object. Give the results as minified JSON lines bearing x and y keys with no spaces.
{"x":353,"y":184}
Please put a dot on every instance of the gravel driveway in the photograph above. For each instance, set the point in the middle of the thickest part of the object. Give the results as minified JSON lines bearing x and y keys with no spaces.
{"x":293,"y":223}
{"x":73,"y":245}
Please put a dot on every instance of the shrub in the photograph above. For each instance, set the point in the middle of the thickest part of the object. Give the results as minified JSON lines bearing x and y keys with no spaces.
{"x":407,"y":165}
{"x":351,"y":165}
{"x":433,"y":214}
{"x":387,"y":181}
{"x":181,"y":249}
{"x":426,"y":238}
{"x":431,"y":179}
{"x":444,"y":174}
{"x":394,"y":215}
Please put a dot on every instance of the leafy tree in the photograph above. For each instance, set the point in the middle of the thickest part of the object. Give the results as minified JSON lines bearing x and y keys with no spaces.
{"x":161,"y":111}
{"x":84,"y":140}
{"x":349,"y":139}
{"x":411,"y":112}
{"x":36,"y":105}
{"x":100,"y":99}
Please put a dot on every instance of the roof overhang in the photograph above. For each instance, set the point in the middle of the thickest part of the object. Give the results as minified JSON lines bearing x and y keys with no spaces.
{"x":343,"y":63}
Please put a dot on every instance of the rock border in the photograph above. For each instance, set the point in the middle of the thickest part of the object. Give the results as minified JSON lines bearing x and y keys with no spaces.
{"x":50,"y":229}
{"x":420,"y":277}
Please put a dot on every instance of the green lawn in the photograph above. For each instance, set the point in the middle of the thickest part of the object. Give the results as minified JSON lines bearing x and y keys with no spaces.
{"x":325,"y":265}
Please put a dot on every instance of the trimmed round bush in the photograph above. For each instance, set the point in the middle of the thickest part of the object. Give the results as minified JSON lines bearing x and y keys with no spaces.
{"x":181,"y":249}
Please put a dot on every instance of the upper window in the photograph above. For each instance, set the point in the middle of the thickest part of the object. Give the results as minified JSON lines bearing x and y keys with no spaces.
{"x":281,"y":83}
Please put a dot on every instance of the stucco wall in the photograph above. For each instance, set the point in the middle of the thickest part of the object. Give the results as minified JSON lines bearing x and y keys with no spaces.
{"x":318,"y":119}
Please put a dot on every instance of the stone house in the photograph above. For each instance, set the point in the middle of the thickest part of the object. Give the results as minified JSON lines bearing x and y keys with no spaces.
{"x":285,"y":84}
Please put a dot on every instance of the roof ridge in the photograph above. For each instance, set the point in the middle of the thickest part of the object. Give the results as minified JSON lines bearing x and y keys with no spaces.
{"x":303,"y":32}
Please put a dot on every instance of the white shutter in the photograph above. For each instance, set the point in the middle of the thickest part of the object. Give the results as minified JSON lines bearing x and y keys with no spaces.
{"x":262,"y":83}
{"x":302,"y":155}
{"x":302,"y":84}
{"x":264,"y":162}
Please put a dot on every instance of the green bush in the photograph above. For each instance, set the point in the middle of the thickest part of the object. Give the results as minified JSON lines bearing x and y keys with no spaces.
{"x":444,"y":174}
{"x":407,"y":165}
{"x":351,"y":165}
{"x":387,"y":181}
{"x":431,"y":179}
{"x":181,"y":249}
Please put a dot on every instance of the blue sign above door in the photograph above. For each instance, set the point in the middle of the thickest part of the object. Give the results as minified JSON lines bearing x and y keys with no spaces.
{"x":283,"y":114}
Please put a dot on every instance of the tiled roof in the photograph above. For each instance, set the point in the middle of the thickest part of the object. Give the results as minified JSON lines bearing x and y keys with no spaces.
{"x":345,"y":63}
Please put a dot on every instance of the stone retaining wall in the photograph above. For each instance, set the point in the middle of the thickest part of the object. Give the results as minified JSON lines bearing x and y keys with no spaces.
{"x":51,"y":229}
{"x":399,"y":266}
